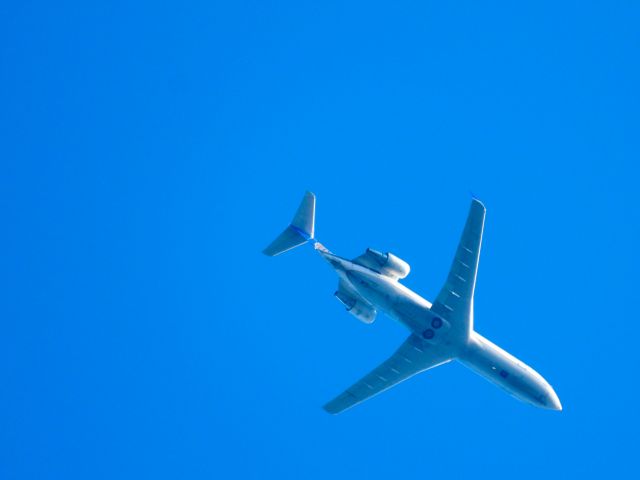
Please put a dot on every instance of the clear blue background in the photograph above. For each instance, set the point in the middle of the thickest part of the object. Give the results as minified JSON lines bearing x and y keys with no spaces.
{"x":150,"y":151}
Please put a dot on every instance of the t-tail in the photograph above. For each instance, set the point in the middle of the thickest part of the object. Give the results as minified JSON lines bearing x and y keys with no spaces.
{"x":299,"y":232}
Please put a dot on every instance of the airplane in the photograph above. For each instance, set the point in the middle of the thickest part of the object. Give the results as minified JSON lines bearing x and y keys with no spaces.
{"x":441,"y":331}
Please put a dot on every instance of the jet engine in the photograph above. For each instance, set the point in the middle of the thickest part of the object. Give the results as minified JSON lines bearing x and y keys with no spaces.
{"x":358,"y":308}
{"x":388,"y":264}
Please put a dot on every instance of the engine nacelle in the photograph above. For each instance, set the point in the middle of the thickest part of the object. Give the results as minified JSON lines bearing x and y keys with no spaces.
{"x":359,"y":309}
{"x":388,"y":264}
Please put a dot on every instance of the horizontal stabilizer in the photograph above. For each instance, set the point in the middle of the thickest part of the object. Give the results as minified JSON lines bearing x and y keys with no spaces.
{"x":299,"y":232}
{"x":287,"y":240}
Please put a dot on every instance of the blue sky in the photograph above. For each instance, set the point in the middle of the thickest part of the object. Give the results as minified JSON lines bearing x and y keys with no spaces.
{"x":150,"y":151}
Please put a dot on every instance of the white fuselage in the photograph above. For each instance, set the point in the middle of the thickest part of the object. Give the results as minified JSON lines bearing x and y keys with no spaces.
{"x":468,"y":347}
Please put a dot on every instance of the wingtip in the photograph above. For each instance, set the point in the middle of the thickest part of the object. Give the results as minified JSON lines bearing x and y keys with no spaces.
{"x":477,"y":201}
{"x":327,"y":408}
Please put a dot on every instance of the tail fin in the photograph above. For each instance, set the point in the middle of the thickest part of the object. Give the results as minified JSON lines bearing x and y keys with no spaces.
{"x":299,"y":232}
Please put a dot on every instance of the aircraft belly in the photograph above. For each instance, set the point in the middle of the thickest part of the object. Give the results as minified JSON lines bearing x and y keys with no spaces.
{"x":386,"y":297}
{"x":504,"y":370}
{"x":410,"y":313}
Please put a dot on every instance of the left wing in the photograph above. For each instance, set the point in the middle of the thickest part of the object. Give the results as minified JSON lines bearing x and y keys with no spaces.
{"x":414,"y":356}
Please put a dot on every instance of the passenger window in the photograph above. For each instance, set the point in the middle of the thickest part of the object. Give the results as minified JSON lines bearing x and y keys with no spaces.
{"x":504,"y":374}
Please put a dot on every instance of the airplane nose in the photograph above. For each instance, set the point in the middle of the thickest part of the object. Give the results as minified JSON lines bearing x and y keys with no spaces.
{"x":555,"y":402}
{"x":551,"y":400}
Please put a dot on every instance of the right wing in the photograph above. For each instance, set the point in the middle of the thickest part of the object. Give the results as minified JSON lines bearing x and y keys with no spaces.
{"x":455,"y":300}
{"x":414,"y":356}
